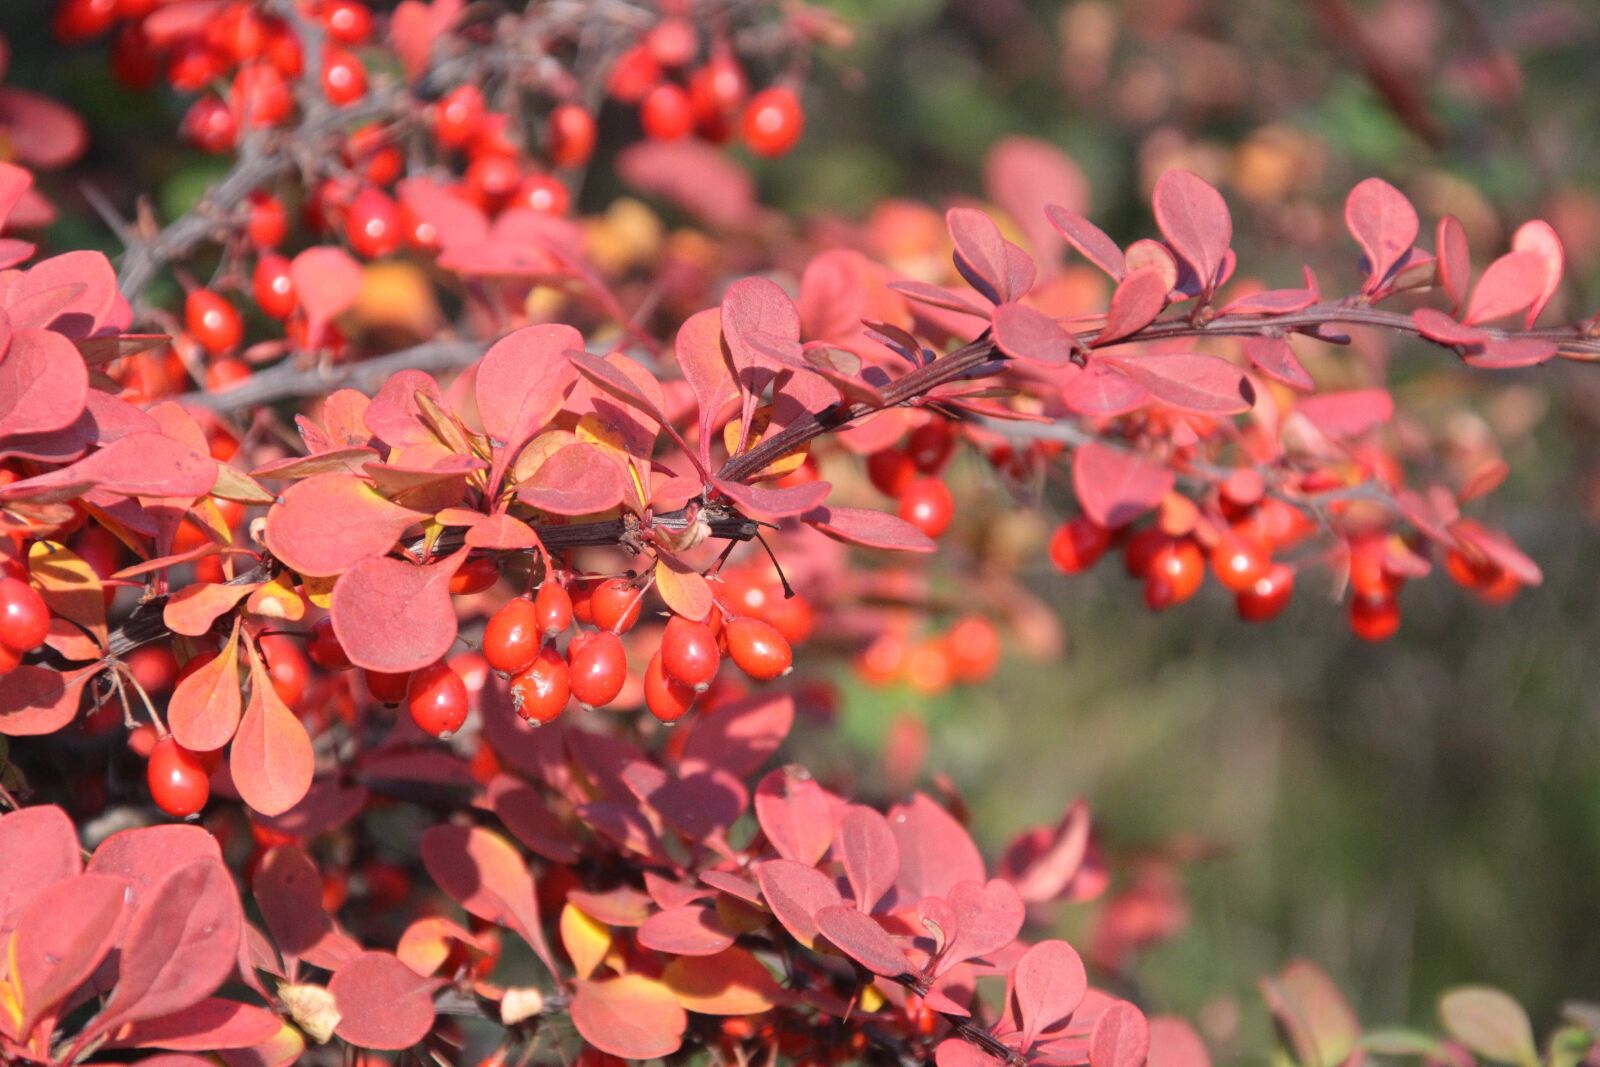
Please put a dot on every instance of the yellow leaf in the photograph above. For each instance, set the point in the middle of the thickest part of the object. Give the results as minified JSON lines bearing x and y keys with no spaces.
{"x":278,"y":599}
{"x":732,"y":982}
{"x":73,"y":591}
{"x":318,"y":590}
{"x":759,"y":422}
{"x":586,"y":939}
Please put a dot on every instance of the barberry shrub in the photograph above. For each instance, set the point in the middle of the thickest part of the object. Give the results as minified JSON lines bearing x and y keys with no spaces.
{"x":434,"y":623}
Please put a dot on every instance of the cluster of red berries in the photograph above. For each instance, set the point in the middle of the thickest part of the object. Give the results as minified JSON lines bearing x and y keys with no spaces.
{"x":677,"y":98}
{"x":965,"y":653}
{"x":910,"y":474}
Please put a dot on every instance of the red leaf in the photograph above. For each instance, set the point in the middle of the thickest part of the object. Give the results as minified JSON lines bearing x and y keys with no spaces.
{"x":193,"y":609}
{"x":43,"y":383}
{"x":935,"y":851}
{"x":141,"y":464}
{"x":1511,"y":283}
{"x":860,"y":937}
{"x":872,"y":529}
{"x":205,"y":707}
{"x":939,"y":297}
{"x":383,"y":1004}
{"x":612,"y":376}
{"x":1195,"y":221}
{"x":1384,"y":224}
{"x":288,"y":891}
{"x":796,"y":892}
{"x":988,"y":917}
{"x":580,"y":479}
{"x":326,"y":283}
{"x":957,"y":1052}
{"x":1173,"y":1043}
{"x":211,"y":1024}
{"x":60,"y":939}
{"x":1135,"y":303}
{"x":1539,"y":237}
{"x":146,"y":855}
{"x":1121,"y":1037}
{"x":690,"y":930}
{"x":40,"y":700}
{"x":1023,"y":332}
{"x":705,"y":367}
{"x":1277,"y":301}
{"x":395,"y":416}
{"x":329,"y":522}
{"x":44,"y":133}
{"x":1189,"y":381}
{"x":770,"y":504}
{"x":1024,"y":175}
{"x":1274,"y":357}
{"x":41,"y":849}
{"x":1100,"y":390}
{"x":1116,"y":486}
{"x":1041,"y":864}
{"x":524,"y":812}
{"x":455,"y":219}
{"x":1499,"y":550}
{"x":634,"y":1017}
{"x":271,"y":758}
{"x":1349,"y":413}
{"x":693,"y":176}
{"x":758,"y":318}
{"x":521,"y":383}
{"x":182,"y":944}
{"x":394,"y":616}
{"x":797,"y":815}
{"x":482,"y":872}
{"x":1435,"y":325}
{"x":1512,"y":353}
{"x":1453,"y":259}
{"x":1090,"y":241}
{"x":737,"y":736}
{"x":870,"y":854}
{"x":1048,"y":984}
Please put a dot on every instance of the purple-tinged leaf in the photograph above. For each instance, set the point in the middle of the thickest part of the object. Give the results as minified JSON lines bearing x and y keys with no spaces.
{"x":1384,"y":224}
{"x":796,"y":892}
{"x":59,"y":940}
{"x":1090,"y":241}
{"x":872,"y":529}
{"x":288,"y":891}
{"x":530,"y":819}
{"x":1024,"y":175}
{"x":1116,"y":486}
{"x":1195,"y":221}
{"x":995,"y":267}
{"x":1274,"y":357}
{"x":771,"y":504}
{"x":1098,"y":389}
{"x":704,"y":366}
{"x":738,"y":736}
{"x":1025,"y":333}
{"x":939,"y":297}
{"x":859,"y":936}
{"x":1135,"y":303}
{"x":1435,"y":325}
{"x":870,"y":854}
{"x":797,"y":815}
{"x":43,"y":383}
{"x":1189,"y":381}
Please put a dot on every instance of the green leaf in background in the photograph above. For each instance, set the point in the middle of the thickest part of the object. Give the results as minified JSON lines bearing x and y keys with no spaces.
{"x":1489,"y":1023}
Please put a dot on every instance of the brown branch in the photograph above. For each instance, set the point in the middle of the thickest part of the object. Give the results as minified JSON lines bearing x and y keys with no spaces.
{"x":291,"y":379}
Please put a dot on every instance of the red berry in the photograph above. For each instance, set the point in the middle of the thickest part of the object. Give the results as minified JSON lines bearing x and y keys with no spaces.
{"x":773,"y":121}
{"x":552,"y":608}
{"x":268,"y":223}
{"x":667,"y":698}
{"x":154,"y":667}
{"x":1240,"y":562}
{"x":571,"y":136}
{"x":891,"y":471}
{"x":973,"y":644}
{"x":512,"y":637}
{"x":1176,"y":572}
{"x":474,"y":576}
{"x":673,"y":42}
{"x":493,"y":178}
{"x":1141,"y":550}
{"x":179,"y":781}
{"x":437,"y":699}
{"x":325,"y":650}
{"x":192,"y":65}
{"x":387,"y":688}
{"x":1374,"y":618}
{"x":615,"y":604}
{"x":1078,"y":544}
{"x":717,"y":90}
{"x":599,"y":667}
{"x":347,"y":21}
{"x":24,"y":616}
{"x":930,"y":445}
{"x":928,"y":505}
{"x":373,"y":224}
{"x":456,"y":115}
{"x":344,"y":79}
{"x":633,"y":75}
{"x":212,"y":320}
{"x":287,"y":667}
{"x":790,"y":616}
{"x":666,"y":113}
{"x":210,"y":126}
{"x":540,"y":693}
{"x":9,"y":660}
{"x":1268,"y":596}
{"x":79,"y":20}
{"x":689,"y":652}
{"x":757,"y":648}
{"x":273,"y":286}
{"x":134,"y":61}
{"x":542,"y":193}
{"x":261,"y":96}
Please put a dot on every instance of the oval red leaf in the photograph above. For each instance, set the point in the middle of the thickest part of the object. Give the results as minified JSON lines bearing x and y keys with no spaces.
{"x":634,"y":1017}
{"x":1195,"y":221}
{"x":383,"y":1004}
{"x":1116,"y":486}
{"x":1048,"y":983}
{"x":1384,"y":224}
{"x":394,"y":616}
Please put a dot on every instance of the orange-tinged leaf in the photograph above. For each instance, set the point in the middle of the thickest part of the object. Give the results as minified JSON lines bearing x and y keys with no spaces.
{"x":1321,"y":1027}
{"x":683,"y":588}
{"x":193,"y":609}
{"x":482,"y":872}
{"x":733,"y":982}
{"x":41,"y":700}
{"x":205,"y":708}
{"x":329,"y":522}
{"x":271,"y":759}
{"x":634,"y":1017}
{"x":586,"y":939}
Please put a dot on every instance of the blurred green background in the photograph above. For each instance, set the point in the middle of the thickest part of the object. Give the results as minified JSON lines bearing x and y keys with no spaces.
{"x":1410,"y":815}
